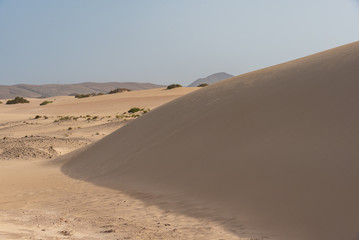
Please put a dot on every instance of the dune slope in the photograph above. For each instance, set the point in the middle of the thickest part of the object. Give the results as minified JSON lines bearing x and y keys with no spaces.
{"x":276,"y":148}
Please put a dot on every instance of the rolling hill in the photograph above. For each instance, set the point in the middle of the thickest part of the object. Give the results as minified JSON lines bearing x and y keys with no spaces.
{"x":216,"y":77}
{"x":50,"y":90}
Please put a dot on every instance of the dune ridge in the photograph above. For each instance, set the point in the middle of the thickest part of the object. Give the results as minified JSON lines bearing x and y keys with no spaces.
{"x":275,"y":148}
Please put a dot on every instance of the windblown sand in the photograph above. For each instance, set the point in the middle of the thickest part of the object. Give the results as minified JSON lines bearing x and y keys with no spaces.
{"x":274,"y":150}
{"x":37,"y":201}
{"x":271,"y":154}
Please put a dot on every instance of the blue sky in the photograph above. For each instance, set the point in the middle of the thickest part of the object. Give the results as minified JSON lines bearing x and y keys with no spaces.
{"x":161,"y":41}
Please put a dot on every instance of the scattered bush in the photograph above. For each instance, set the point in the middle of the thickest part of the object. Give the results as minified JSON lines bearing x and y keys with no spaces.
{"x":70,"y":128}
{"x":65,"y":118}
{"x":0,"y":102}
{"x":45,"y":102}
{"x":171,"y":86}
{"x":37,"y":116}
{"x":119,"y":90}
{"x":134,"y":109}
{"x":203,"y":85}
{"x":88,"y":95}
{"x":17,"y":100}
{"x":83,"y":95}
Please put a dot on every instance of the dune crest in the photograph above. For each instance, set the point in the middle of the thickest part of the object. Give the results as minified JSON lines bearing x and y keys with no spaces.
{"x":276,"y":148}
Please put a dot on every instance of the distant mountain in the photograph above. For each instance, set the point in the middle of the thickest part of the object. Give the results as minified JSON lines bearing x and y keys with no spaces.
{"x":50,"y":90}
{"x":211,"y":79}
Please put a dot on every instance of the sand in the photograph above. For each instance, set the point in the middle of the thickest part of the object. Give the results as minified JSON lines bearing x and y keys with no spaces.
{"x":274,"y":152}
{"x":37,"y":201}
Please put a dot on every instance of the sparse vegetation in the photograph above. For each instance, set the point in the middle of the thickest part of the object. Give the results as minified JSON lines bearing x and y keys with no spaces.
{"x":83,"y":95}
{"x":134,"y":109}
{"x":17,"y":100}
{"x":0,"y":102}
{"x":88,"y":95}
{"x":70,"y":128}
{"x":171,"y":86}
{"x":65,"y":118}
{"x":203,"y":85}
{"x":45,"y":103}
{"x":119,"y":90}
{"x":37,"y":116}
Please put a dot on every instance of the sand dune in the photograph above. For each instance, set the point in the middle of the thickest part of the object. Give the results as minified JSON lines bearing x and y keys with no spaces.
{"x":37,"y":201}
{"x":276,"y":150}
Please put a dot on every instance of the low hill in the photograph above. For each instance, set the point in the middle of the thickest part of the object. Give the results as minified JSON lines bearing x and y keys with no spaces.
{"x":275,"y":149}
{"x":211,"y":79}
{"x":50,"y":90}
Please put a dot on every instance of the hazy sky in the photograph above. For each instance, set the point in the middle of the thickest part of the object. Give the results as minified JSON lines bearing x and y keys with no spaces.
{"x":163,"y":41}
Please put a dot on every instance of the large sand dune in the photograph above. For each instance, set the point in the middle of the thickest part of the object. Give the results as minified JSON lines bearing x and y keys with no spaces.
{"x":37,"y":201}
{"x":275,"y":149}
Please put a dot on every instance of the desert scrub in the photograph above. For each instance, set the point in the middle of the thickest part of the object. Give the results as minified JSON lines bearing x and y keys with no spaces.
{"x":145,"y":110}
{"x":0,"y":102}
{"x":37,"y":116}
{"x":45,"y":103}
{"x":135,"y":109}
{"x":17,"y":100}
{"x":203,"y":85}
{"x":119,"y":90}
{"x":65,"y":118}
{"x":88,"y":95}
{"x":171,"y":86}
{"x":82,"y":95}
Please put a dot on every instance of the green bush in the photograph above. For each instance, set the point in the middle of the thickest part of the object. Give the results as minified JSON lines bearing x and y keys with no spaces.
{"x":171,"y":86}
{"x":83,"y":95}
{"x":134,"y":109}
{"x":65,"y":118}
{"x":203,"y":85}
{"x":45,"y":102}
{"x":88,"y":95}
{"x":17,"y":100}
{"x":119,"y":90}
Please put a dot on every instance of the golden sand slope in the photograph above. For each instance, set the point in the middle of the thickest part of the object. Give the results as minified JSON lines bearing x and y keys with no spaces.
{"x":276,"y":149}
{"x":37,"y":201}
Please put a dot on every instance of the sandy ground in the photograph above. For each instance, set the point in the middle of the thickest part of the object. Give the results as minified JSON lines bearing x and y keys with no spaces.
{"x":37,"y":201}
{"x":274,"y":150}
